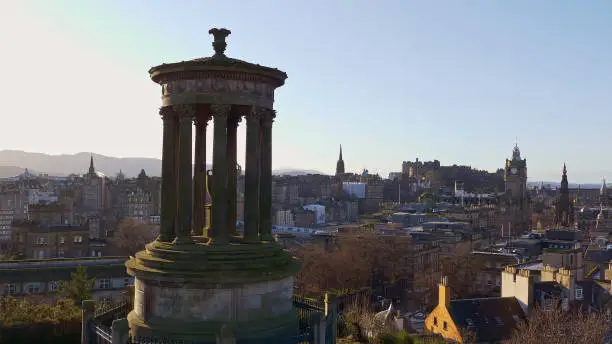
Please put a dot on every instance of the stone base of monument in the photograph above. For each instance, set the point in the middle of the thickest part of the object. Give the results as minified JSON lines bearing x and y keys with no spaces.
{"x":206,"y":293}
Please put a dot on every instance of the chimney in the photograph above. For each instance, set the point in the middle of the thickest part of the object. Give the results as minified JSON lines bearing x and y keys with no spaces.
{"x":444,"y":292}
{"x":608,"y":273}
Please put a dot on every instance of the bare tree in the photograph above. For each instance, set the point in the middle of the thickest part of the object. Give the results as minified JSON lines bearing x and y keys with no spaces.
{"x":352,"y":262}
{"x":131,"y":236}
{"x":557,"y":326}
{"x":461,"y":269}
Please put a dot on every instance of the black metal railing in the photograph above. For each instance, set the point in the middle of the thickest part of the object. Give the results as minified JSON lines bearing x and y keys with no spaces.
{"x":306,"y":308}
{"x":100,"y":333}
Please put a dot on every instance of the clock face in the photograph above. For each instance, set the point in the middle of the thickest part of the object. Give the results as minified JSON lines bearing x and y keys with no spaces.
{"x":513,"y":170}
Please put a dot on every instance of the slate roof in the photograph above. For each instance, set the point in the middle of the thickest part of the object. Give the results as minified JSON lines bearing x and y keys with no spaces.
{"x":598,"y":255}
{"x":548,"y":288}
{"x":565,"y":235}
{"x":490,"y":319}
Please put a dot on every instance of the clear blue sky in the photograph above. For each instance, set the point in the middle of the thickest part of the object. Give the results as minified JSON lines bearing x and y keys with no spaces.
{"x":456,"y":81}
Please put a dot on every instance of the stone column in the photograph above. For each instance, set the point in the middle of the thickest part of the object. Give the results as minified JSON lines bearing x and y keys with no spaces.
{"x":232,"y":162}
{"x":265,"y":179}
{"x":168,"y":187}
{"x":251,"y":177}
{"x":219,"y":233}
{"x":199,"y":173}
{"x":185,"y":185}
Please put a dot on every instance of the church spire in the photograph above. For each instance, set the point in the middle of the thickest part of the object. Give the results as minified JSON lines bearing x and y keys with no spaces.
{"x":340,"y":164}
{"x":92,"y":169}
{"x":564,"y":215}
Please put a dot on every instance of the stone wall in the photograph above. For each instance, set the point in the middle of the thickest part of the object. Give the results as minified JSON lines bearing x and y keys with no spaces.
{"x":214,"y":303}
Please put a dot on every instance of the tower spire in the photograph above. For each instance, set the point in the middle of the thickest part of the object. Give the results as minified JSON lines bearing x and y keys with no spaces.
{"x":340,"y":164}
{"x":92,"y":169}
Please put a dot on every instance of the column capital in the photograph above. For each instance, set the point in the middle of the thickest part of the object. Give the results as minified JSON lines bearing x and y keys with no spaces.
{"x":185,"y":110}
{"x":220,"y":110}
{"x":255,"y":114}
{"x":267,"y":117}
{"x":166,"y":112}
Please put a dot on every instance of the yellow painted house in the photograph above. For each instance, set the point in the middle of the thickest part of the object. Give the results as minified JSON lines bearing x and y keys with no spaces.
{"x":483,"y":320}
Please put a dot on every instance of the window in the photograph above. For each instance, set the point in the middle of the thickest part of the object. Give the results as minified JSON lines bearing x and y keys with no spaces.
{"x":499,"y":321}
{"x":62,"y":239}
{"x":579,"y":295}
{"x":470,"y":323}
{"x":435,"y":321}
{"x":10,"y":289}
{"x":104,"y":284}
{"x":445,"y":326}
{"x":60,"y":253}
{"x":548,"y":304}
{"x":77,"y":239}
{"x":40,"y":240}
{"x":41,"y":254}
{"x":33,"y":288}
{"x":53,"y":286}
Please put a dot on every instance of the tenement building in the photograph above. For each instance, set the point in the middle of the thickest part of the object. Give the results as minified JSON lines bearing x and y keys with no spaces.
{"x":41,"y":277}
{"x":218,"y":285}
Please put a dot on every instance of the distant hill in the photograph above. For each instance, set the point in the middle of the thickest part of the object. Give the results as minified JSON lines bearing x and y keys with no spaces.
{"x":14,"y":162}
{"x":11,"y":171}
{"x":294,"y":172}
{"x":66,"y":164}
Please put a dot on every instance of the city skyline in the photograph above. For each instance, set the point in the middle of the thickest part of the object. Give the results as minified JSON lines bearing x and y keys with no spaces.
{"x":455,"y":83}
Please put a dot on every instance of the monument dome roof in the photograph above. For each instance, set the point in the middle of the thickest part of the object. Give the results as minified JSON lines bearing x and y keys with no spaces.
{"x":218,"y":62}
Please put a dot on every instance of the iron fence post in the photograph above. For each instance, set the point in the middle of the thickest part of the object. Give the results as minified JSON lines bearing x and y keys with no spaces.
{"x":87,"y":314}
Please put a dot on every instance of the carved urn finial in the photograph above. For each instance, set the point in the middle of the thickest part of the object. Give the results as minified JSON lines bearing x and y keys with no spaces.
{"x":219,"y":43}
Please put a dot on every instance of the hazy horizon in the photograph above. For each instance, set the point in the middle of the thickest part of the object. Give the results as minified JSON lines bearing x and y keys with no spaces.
{"x":390,"y":81}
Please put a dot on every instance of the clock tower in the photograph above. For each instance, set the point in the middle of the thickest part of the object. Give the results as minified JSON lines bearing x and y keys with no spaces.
{"x":516,"y":202}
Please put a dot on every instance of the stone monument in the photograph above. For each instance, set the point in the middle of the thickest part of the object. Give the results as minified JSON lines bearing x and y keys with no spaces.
{"x":196,"y":285}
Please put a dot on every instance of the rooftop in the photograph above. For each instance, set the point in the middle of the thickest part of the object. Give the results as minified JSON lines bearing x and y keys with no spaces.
{"x":491,"y":319}
{"x":532,"y":266}
{"x":61,"y":263}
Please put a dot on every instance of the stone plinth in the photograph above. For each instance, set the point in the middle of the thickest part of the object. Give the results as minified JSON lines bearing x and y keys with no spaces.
{"x":244,"y":287}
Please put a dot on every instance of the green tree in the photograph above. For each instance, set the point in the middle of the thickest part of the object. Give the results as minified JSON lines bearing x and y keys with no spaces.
{"x":78,"y":288}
